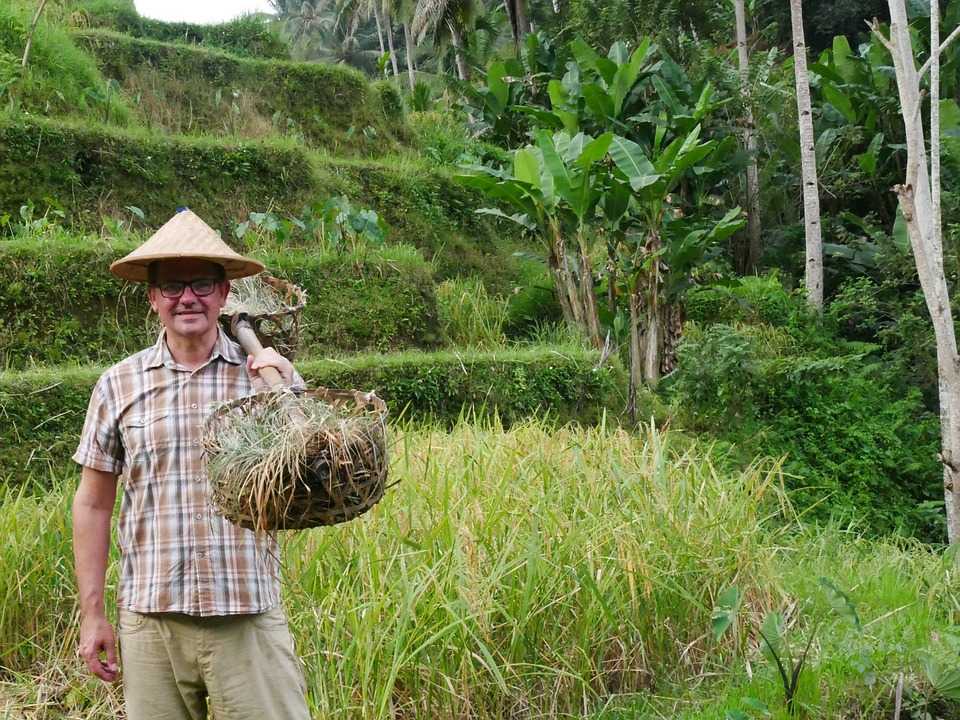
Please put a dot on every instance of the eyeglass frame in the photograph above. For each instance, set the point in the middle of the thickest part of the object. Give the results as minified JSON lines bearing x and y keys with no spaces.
{"x":184,"y":284}
{"x":153,"y":271}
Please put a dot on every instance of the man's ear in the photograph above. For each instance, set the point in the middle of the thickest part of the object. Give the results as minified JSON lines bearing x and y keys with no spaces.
{"x":152,"y":297}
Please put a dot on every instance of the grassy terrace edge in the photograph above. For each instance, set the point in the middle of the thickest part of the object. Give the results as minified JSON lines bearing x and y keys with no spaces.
{"x":43,"y":409}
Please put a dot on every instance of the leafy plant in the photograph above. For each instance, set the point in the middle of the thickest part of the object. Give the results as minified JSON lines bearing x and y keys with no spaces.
{"x":776,"y":645}
{"x":335,"y":226}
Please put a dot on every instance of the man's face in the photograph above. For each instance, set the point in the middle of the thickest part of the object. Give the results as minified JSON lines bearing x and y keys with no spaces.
{"x":189,"y":315}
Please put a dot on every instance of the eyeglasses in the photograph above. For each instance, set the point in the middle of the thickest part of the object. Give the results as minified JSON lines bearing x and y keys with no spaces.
{"x":201,"y":287}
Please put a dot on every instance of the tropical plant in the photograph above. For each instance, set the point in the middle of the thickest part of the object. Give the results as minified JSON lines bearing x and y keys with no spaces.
{"x":447,"y":20}
{"x":774,"y":640}
{"x":556,"y":187}
{"x":655,"y":242}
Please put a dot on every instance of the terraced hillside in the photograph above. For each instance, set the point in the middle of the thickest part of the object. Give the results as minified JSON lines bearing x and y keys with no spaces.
{"x":150,"y":116}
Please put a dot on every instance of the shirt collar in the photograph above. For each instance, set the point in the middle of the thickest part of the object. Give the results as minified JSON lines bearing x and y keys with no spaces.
{"x":159,"y":355}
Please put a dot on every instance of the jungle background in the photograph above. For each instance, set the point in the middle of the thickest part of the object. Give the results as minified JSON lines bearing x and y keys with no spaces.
{"x":640,"y":474}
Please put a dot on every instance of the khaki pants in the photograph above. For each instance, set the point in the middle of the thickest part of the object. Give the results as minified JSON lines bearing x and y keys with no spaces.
{"x":244,"y":664}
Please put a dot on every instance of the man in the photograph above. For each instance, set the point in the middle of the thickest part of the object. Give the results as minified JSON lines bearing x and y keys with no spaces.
{"x":199,"y":600}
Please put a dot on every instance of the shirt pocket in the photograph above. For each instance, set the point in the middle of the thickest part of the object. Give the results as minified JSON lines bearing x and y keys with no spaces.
{"x":146,"y":437}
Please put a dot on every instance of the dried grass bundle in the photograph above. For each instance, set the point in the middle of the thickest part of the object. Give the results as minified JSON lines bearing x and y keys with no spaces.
{"x":268,"y":473}
{"x":272,"y":306}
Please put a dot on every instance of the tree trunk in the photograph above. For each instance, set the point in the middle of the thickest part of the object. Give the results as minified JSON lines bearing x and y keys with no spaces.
{"x":566,"y":293}
{"x":754,"y":230}
{"x":33,"y":29}
{"x":463,"y":72}
{"x":652,"y":331}
{"x":393,"y":54}
{"x":636,"y":371}
{"x":588,"y":298}
{"x":808,"y":164}
{"x":376,"y":16}
{"x":409,"y":41}
{"x":522,"y":23}
{"x":917,"y":204}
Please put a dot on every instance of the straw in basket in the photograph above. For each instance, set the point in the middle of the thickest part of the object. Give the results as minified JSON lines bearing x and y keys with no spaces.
{"x":278,"y":461}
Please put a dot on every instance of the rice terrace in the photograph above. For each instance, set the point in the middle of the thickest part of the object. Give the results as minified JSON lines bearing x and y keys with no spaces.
{"x":479,"y":359}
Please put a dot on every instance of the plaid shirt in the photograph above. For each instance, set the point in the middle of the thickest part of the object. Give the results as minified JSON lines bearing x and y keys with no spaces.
{"x":178,"y":554}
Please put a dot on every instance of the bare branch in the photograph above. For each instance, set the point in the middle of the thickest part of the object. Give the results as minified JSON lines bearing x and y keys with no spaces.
{"x":943,"y":46}
{"x":874,"y":26}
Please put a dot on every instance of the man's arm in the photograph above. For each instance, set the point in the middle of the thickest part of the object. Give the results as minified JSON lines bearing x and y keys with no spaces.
{"x":92,"y":511}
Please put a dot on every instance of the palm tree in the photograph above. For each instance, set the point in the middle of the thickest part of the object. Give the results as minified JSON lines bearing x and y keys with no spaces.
{"x":448,"y":20}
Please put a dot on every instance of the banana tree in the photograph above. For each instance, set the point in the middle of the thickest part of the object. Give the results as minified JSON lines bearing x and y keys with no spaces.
{"x":657,"y":257}
{"x":554,"y":187}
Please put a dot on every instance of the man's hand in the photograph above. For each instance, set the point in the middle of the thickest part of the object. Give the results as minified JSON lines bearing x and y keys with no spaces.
{"x":268,"y":357}
{"x":96,"y":639}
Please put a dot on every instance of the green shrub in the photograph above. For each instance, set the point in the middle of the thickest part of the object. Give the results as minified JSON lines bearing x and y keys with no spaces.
{"x":187,"y":88}
{"x":445,"y":140}
{"x":248,"y":35}
{"x":469,"y":316}
{"x":87,"y":170}
{"x":532,"y":301}
{"x":62,"y":305}
{"x":857,"y":445}
{"x":750,"y":299}
{"x":59,"y":78}
{"x":43,"y":409}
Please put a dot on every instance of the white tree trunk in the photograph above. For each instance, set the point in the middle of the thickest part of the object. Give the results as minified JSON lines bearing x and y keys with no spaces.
{"x":754,"y":229}
{"x":917,"y":204}
{"x":808,"y":164}
{"x":408,"y":38}
{"x":457,"y":41}
{"x":393,"y":54}
{"x":376,"y":16}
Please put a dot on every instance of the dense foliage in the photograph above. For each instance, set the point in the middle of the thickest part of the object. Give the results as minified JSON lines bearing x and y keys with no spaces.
{"x":859,"y":442}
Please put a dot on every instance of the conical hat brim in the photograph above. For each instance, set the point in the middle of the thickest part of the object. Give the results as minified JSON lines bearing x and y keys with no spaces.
{"x":184,"y":235}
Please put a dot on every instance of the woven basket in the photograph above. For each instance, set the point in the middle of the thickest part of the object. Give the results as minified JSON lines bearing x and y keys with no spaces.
{"x":333,"y":487}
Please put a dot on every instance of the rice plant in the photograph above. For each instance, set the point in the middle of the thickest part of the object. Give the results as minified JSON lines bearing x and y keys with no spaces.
{"x":531,"y":572}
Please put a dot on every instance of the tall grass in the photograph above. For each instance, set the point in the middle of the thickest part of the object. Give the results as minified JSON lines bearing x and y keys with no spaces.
{"x":527,"y":573}
{"x":469,"y":316}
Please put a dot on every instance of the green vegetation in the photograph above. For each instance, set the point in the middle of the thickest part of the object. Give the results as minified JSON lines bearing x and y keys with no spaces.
{"x":43,"y":408}
{"x":179,"y":88}
{"x":565,"y":571}
{"x":550,"y":550}
{"x":60,"y":77}
{"x":249,"y":35}
{"x":63,"y":305}
{"x":88,"y":170}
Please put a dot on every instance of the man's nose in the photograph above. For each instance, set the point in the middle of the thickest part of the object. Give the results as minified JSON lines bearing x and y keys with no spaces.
{"x":188,"y":295}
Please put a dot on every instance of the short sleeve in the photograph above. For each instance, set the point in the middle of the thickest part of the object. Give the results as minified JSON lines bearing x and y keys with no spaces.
{"x":100,"y":446}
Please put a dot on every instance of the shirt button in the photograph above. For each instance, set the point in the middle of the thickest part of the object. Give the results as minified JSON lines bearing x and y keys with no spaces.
{"x":196,"y":443}
{"x":199,"y":516}
{"x":194,"y":406}
{"x":201,"y":554}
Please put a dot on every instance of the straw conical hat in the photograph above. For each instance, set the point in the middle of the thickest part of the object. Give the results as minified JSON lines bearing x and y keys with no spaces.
{"x":184,"y":236}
